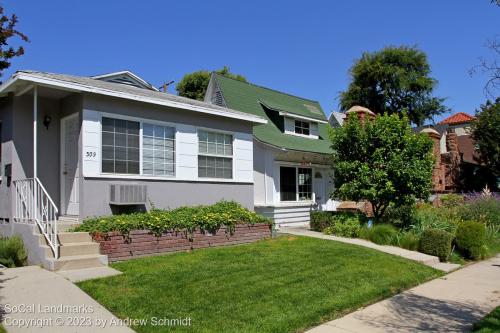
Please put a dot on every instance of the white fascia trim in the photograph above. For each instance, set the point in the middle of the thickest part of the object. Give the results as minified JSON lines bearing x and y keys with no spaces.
{"x":129,"y":73}
{"x":107,"y":92}
{"x":292,"y":115}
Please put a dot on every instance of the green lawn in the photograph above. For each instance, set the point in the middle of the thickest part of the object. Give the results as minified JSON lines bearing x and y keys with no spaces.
{"x":489,"y":324}
{"x":282,"y":285}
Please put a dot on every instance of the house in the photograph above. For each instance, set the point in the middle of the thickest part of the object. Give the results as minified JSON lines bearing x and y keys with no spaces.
{"x":458,"y":167}
{"x":73,"y":147}
{"x":291,"y":151}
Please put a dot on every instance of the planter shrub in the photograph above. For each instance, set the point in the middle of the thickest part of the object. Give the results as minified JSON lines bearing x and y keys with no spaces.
{"x":344,"y":227}
{"x":208,"y":218}
{"x":12,"y":252}
{"x":471,"y":240}
{"x":320,"y":220}
{"x":436,"y":242}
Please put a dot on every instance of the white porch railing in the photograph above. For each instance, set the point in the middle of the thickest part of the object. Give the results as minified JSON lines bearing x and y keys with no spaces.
{"x":32,"y":204}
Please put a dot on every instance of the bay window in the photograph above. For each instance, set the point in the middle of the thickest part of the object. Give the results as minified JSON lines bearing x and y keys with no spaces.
{"x":295,"y":184}
{"x":215,"y":155}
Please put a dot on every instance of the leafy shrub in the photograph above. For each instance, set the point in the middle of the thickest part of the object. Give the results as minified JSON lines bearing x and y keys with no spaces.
{"x":210,"y":218}
{"x":320,"y":220}
{"x":451,"y":200}
{"x":400,"y":216}
{"x":344,"y":226}
{"x":382,"y":234}
{"x":429,"y":217}
{"x":12,"y":252}
{"x":471,"y":239}
{"x":436,"y":242}
{"x":407,"y":240}
{"x":482,"y":209}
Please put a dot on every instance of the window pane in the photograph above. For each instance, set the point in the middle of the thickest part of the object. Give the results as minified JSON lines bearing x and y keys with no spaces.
{"x":219,"y":144}
{"x":120,"y":146}
{"x":158,"y":149}
{"x":305,"y":183}
{"x":288,"y":184}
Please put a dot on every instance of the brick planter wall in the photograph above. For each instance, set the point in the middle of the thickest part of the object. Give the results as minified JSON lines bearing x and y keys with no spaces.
{"x":142,"y":242}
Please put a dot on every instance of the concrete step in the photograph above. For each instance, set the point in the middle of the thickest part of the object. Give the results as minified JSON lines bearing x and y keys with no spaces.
{"x":74,"y":237}
{"x":79,"y":262}
{"x":80,"y":248}
{"x":63,"y":226}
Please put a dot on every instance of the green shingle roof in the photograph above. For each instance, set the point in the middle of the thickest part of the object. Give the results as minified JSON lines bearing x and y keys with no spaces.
{"x":250,"y":98}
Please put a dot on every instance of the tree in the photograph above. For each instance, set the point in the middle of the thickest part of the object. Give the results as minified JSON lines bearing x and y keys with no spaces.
{"x":486,"y":133}
{"x":8,"y":31}
{"x":394,"y":80}
{"x":382,"y":161}
{"x":490,"y":67}
{"x":194,"y":85}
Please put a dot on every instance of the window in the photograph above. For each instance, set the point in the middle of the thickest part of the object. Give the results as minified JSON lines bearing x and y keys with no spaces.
{"x":295,"y":184}
{"x":215,"y":155}
{"x":158,"y":150}
{"x":120,"y":146}
{"x":302,"y":127}
{"x":305,"y":183}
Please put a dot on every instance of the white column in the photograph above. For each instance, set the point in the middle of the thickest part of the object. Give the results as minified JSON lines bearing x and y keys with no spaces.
{"x":35,"y":120}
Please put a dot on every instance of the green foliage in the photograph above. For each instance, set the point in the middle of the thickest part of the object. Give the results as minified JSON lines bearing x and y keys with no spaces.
{"x":407,"y":240}
{"x":7,"y":31}
{"x":382,"y":234}
{"x":490,"y":323}
{"x":483,"y":209}
{"x":209,"y":218}
{"x":486,"y":131}
{"x":451,"y":200}
{"x":436,"y":242}
{"x":400,"y":216}
{"x":320,"y":220}
{"x":12,"y":252}
{"x":471,"y":240}
{"x":429,"y":217}
{"x":382,"y":161}
{"x":394,"y":80}
{"x":344,"y":226}
{"x":194,"y":85}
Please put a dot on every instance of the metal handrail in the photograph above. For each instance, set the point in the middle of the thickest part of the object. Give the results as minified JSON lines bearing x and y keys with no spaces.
{"x":32,"y":203}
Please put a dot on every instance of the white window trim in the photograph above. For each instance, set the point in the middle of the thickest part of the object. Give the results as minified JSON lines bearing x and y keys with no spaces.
{"x":296,"y":167}
{"x":212,"y":179}
{"x":310,"y":136}
{"x":141,"y":121}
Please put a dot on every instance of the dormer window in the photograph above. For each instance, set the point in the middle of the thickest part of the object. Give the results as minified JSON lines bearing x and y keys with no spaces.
{"x":302,"y":127}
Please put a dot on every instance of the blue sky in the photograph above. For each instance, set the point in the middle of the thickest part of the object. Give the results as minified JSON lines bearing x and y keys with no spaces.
{"x":300,"y":47}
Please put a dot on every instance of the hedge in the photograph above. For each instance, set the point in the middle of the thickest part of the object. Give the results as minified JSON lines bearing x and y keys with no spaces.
{"x":471,"y":239}
{"x":12,"y":252}
{"x":436,"y":242}
{"x":158,"y":221}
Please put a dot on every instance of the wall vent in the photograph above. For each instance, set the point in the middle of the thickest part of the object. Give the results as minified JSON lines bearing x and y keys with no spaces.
{"x":127,"y":194}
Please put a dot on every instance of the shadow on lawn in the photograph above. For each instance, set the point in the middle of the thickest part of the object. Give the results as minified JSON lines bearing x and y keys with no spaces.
{"x":414,"y":313}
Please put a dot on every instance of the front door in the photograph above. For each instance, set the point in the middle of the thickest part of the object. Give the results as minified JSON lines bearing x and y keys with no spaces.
{"x":319,"y":190}
{"x":69,"y":165}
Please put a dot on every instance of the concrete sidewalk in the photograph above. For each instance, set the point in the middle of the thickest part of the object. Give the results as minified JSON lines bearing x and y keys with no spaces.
{"x":448,"y":304}
{"x":36,"y":300}
{"x":394,"y":250}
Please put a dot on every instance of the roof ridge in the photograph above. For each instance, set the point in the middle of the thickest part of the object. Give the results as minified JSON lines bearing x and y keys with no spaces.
{"x":267,"y":88}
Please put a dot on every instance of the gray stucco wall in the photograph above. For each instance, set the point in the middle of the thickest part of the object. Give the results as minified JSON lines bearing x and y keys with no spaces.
{"x":164,"y":194}
{"x":6,"y":106}
{"x":94,"y":192}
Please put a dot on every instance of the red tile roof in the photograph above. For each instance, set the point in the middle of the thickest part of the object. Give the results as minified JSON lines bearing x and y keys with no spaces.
{"x":457,"y":118}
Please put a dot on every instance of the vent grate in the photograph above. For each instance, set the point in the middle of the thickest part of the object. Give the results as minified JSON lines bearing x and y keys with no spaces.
{"x":128,"y":194}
